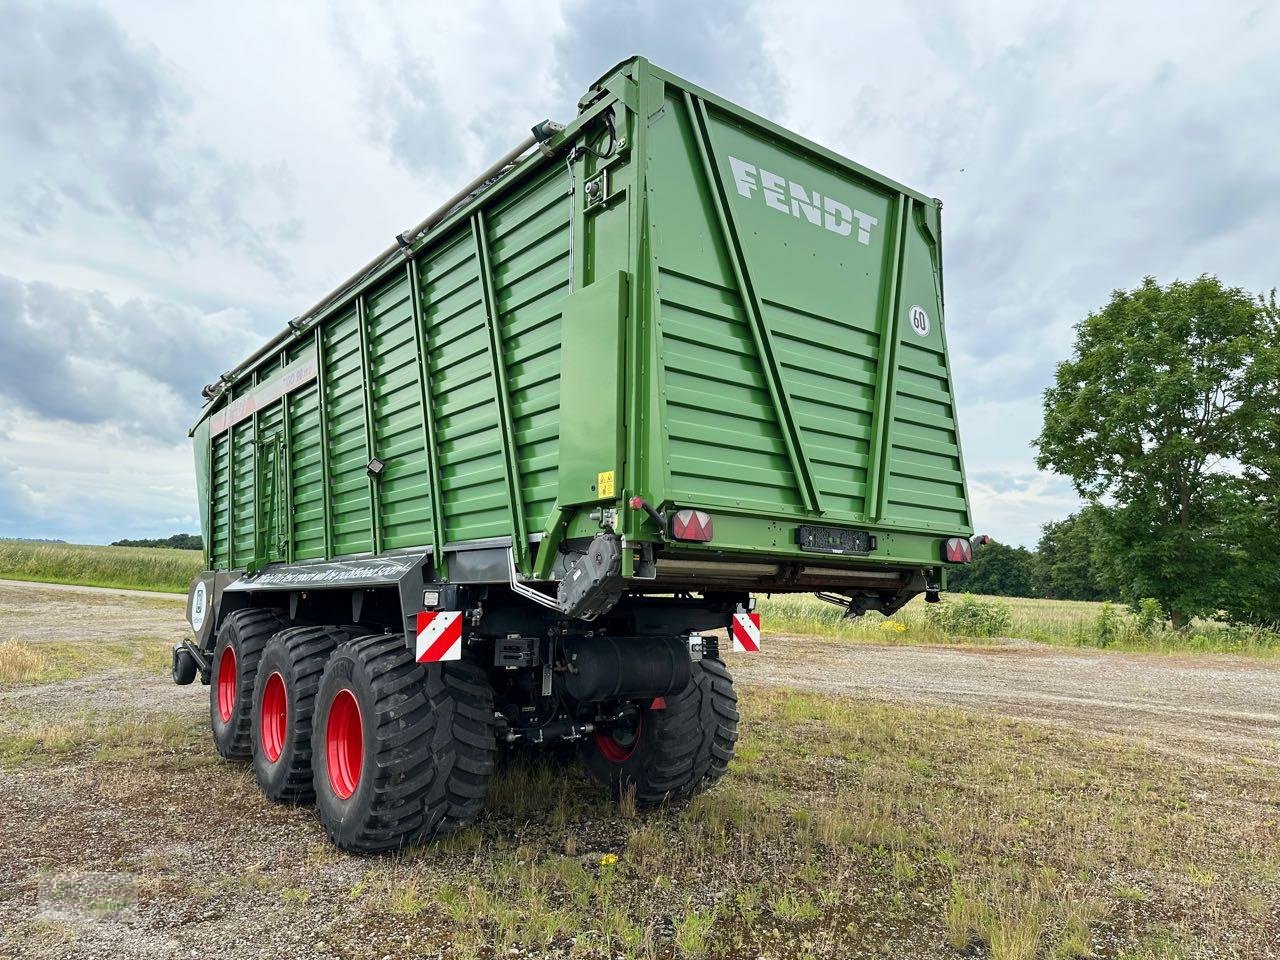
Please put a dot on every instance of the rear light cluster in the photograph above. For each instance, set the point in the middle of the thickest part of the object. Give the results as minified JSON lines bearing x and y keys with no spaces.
{"x":957,"y":550}
{"x":692,"y":526}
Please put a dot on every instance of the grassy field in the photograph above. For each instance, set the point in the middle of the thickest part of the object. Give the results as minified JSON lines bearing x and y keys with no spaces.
{"x":978,"y":619}
{"x":1066,"y":622}
{"x":132,"y":568}
{"x":846,"y":828}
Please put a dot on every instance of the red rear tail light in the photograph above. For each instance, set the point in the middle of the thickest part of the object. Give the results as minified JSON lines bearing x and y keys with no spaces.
{"x":693,"y":526}
{"x":957,"y":550}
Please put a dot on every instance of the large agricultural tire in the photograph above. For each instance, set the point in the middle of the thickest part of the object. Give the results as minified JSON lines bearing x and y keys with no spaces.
{"x":241,"y":640}
{"x":403,"y":752}
{"x":671,"y":752}
{"x":283,"y":703}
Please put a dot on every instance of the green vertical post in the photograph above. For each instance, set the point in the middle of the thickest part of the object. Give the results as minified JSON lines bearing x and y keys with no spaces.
{"x":438,"y":561}
{"x":323,"y":409}
{"x":286,"y":412}
{"x":366,"y":375}
{"x":501,"y":396}
{"x":887,"y":332}
{"x":634,"y":367}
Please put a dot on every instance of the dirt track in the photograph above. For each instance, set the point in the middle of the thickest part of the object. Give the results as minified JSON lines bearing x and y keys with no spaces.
{"x":1207,"y":706}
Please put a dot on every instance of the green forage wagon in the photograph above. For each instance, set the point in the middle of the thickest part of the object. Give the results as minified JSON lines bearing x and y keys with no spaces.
{"x":518,"y":478}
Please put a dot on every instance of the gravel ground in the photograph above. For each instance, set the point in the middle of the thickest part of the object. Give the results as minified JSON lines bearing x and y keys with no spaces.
{"x":83,"y":875}
{"x":1207,"y":706}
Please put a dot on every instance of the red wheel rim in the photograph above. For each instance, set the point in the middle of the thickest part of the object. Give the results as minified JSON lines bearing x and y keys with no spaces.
{"x":274,"y":712}
{"x":344,"y":744}
{"x":618,"y":749}
{"x":228,"y":682}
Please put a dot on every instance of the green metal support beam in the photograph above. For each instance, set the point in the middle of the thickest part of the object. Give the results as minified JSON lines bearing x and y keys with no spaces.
{"x":323,"y":410}
{"x":887,"y":329}
{"x":366,"y":365}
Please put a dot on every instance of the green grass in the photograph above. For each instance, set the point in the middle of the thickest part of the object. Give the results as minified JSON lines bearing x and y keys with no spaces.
{"x":845,"y":827}
{"x":1059,"y":622}
{"x":23,"y":662}
{"x":130,"y":568}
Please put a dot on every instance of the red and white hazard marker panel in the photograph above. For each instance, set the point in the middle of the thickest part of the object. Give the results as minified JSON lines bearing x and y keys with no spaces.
{"x":439,"y":636}
{"x":746,"y":633}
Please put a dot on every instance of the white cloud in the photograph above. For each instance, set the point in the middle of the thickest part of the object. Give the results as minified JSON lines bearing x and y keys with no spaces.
{"x":90,"y":483}
{"x":182,"y":180}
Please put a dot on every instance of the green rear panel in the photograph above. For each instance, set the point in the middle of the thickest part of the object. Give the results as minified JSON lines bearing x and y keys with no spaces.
{"x":742,"y":341}
{"x":780,"y":278}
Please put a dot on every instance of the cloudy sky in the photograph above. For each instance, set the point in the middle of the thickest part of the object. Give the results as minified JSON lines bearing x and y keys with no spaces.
{"x":178,"y":180}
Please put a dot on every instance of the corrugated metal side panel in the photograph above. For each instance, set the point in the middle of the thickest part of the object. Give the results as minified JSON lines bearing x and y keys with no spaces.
{"x":404,"y":491}
{"x":472,"y":478}
{"x":349,"y":506}
{"x":219,"y":554}
{"x":243,"y":526}
{"x":271,"y":515}
{"x":924,"y":480}
{"x":529,"y":249}
{"x":306,"y":474}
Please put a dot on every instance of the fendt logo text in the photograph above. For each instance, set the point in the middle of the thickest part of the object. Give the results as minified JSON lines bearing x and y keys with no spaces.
{"x":787,"y":196}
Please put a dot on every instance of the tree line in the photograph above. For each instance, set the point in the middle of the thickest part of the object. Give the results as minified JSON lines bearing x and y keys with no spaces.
{"x":1166,"y":419}
{"x":179,"y":541}
{"x":1065,"y":565}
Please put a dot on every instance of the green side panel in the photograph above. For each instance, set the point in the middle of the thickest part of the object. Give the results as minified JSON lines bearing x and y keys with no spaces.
{"x":272,"y":517}
{"x":306,"y":474}
{"x":404,"y":489}
{"x":220,"y":513}
{"x":591,"y":390}
{"x":723,"y":440}
{"x":347,"y":443}
{"x":243,"y":508}
{"x":529,"y":243}
{"x":924,"y":484}
{"x":472,"y":479}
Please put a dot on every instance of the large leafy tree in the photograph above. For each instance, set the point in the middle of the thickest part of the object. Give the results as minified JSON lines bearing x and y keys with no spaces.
{"x":1155,"y":412}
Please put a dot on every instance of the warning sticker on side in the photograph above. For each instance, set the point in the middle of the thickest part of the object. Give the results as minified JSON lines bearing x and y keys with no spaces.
{"x":604,"y":484}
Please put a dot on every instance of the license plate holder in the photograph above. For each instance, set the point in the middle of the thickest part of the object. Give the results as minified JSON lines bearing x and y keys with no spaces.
{"x":836,"y":540}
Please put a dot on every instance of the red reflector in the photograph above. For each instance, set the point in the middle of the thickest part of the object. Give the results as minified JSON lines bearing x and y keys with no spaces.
{"x":691,"y":525}
{"x":958,"y":550}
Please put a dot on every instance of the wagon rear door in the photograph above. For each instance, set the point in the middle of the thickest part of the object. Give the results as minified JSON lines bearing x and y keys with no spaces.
{"x":799,"y":324}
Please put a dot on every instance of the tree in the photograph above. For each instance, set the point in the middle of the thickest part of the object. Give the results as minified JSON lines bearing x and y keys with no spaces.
{"x":1256,"y":498}
{"x":998,"y":569}
{"x":1154,"y":412}
{"x":1072,"y":561}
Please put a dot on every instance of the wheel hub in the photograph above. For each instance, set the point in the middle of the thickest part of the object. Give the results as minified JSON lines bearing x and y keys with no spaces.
{"x":344,"y":744}
{"x":617,"y":743}
{"x":228,"y":682}
{"x":274,"y":711}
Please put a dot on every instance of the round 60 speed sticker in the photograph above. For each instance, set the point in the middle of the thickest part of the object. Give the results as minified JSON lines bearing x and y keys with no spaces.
{"x":919,"y":320}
